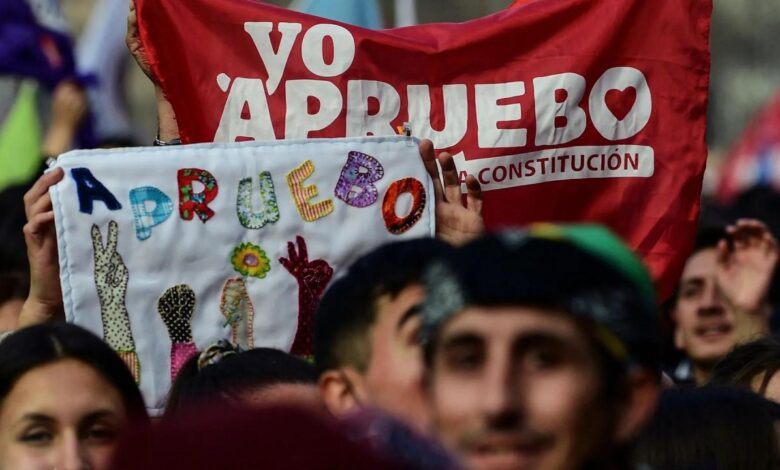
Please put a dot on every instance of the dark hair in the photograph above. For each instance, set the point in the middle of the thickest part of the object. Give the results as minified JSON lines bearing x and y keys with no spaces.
{"x":40,"y":345}
{"x":710,"y":428}
{"x":224,"y":380}
{"x":348,"y":308}
{"x":14,"y":285}
{"x":760,"y":358}
{"x":521,"y":269}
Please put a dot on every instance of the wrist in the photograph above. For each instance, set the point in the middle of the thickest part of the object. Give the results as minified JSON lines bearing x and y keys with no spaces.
{"x":35,"y":311}
{"x":58,"y":140}
{"x":167,"y":127}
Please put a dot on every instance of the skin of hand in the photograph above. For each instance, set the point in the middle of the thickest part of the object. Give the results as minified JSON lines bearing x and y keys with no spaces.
{"x":44,"y":303}
{"x":167,"y":127}
{"x":746,"y":264}
{"x":69,"y":105}
{"x":456,"y":223}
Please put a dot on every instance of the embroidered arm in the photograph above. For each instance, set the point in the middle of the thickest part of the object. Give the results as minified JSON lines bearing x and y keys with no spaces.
{"x":111,"y":277}
{"x":312,"y":277}
{"x":176,"y":306}
{"x":239,"y":313}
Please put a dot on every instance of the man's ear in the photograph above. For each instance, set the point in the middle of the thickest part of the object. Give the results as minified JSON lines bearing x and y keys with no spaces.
{"x":341,"y":390}
{"x":643,"y":390}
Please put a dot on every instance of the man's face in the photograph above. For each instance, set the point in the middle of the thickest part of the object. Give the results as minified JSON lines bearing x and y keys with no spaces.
{"x":517,"y":387}
{"x":393,"y":380}
{"x":704,"y":323}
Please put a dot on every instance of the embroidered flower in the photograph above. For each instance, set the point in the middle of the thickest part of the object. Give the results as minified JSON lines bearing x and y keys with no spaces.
{"x":250,"y":260}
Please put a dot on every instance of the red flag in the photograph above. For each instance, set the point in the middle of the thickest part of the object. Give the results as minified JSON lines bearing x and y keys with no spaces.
{"x":755,"y":159}
{"x":566,"y":110}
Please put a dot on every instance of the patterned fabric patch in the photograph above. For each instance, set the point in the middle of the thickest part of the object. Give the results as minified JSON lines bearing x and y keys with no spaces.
{"x":146,"y":219}
{"x":356,"y":183}
{"x":89,"y":189}
{"x":130,"y":358}
{"x":303,"y":194}
{"x":313,"y":277}
{"x":239,"y":312}
{"x":398,"y":225}
{"x":180,"y":353}
{"x":270,"y":211}
{"x":176,"y":306}
{"x":111,"y":278}
{"x":191,"y":202}
{"x":249,"y":259}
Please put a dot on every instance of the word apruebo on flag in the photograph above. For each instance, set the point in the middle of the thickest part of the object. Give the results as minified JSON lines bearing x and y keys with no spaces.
{"x":164,"y":251}
{"x":567,"y":110}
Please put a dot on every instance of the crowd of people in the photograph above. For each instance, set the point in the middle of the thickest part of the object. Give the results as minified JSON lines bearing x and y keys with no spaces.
{"x":542,"y":347}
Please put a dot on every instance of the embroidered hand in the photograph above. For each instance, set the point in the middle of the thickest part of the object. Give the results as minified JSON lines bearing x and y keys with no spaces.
{"x":745,"y":269}
{"x":111,"y":277}
{"x":312,"y":277}
{"x":239,"y":312}
{"x":455,"y":223}
{"x":176,"y":306}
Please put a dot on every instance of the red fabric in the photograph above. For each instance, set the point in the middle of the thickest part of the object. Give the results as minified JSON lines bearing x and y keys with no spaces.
{"x":191,"y":43}
{"x":755,"y":158}
{"x":268,"y":438}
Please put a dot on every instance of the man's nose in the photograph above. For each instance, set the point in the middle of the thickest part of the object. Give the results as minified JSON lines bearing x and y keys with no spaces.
{"x":502,"y":397}
{"x":711,"y":301}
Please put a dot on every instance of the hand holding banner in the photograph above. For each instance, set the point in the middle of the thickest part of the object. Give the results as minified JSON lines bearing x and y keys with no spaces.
{"x":167,"y":250}
{"x":565,"y":110}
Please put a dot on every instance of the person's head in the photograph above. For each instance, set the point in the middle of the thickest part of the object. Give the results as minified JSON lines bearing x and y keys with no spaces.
{"x":226,"y":376}
{"x":753,"y":365}
{"x":67,"y":399}
{"x":703,"y":322}
{"x":14,"y":287}
{"x":366,"y":336}
{"x":541,"y":348}
{"x":710,"y":428}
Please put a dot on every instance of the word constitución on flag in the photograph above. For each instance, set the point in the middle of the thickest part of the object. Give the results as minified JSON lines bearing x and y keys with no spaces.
{"x":328,"y":51}
{"x":602,"y":121}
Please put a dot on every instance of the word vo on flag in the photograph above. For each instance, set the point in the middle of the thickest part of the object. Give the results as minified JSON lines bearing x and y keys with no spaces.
{"x":565,"y":110}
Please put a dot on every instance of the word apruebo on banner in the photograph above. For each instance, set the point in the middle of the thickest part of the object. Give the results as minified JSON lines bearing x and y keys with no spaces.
{"x":566,"y":110}
{"x":166,"y":250}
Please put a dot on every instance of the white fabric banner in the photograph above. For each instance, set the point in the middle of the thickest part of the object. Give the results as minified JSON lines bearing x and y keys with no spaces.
{"x":165,"y":250}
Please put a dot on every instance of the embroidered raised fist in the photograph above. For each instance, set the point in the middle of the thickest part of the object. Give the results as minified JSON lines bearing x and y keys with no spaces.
{"x":176,"y":306}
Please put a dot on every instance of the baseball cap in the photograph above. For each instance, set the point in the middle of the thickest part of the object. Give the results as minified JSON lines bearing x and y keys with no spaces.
{"x":584,"y":270}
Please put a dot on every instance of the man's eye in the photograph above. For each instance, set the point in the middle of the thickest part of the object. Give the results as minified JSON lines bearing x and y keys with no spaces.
{"x":689,"y":292}
{"x":39,"y":437}
{"x":543,"y":359}
{"x":412,"y":336}
{"x":464,"y":360}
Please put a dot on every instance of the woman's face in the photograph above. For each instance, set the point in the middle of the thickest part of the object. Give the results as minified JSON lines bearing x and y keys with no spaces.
{"x":62,"y":415}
